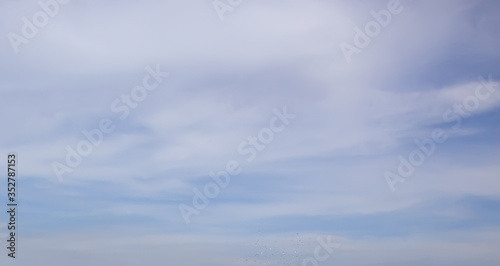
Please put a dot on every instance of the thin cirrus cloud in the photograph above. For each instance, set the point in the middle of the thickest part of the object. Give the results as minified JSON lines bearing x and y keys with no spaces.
{"x":323,"y":175}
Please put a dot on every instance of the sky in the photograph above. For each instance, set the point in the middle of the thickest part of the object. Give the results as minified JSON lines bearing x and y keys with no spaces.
{"x":251,"y":132}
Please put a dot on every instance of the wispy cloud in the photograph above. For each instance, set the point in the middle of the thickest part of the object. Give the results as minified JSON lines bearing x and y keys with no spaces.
{"x":322,"y":176}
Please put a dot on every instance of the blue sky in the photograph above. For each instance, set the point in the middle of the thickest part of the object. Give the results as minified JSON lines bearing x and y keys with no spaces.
{"x":322,"y":175}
